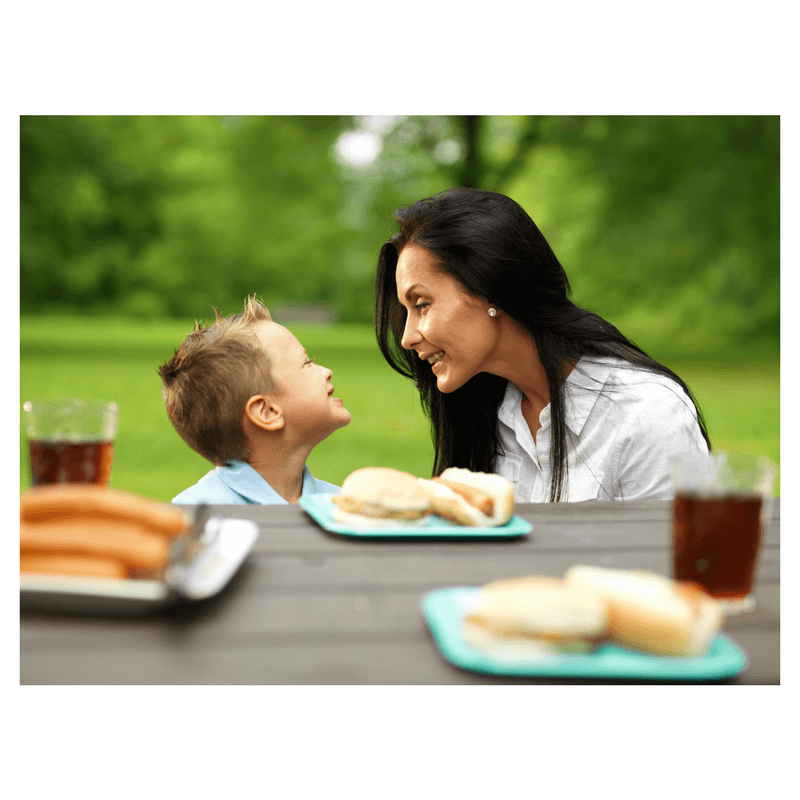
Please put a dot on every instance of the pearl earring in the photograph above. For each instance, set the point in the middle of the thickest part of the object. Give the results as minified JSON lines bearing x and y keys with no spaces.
{"x":492,"y":312}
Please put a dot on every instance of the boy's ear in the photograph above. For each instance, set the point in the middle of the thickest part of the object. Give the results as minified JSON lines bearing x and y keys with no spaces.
{"x":264,"y":413}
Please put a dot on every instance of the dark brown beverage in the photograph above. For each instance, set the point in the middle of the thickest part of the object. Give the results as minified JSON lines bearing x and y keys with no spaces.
{"x":70,"y":462}
{"x":715,"y":542}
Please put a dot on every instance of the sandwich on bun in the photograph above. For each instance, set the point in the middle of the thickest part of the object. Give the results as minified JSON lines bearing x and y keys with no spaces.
{"x":471,"y":498}
{"x":524,"y":619}
{"x":377,"y":496}
{"x":651,"y":613}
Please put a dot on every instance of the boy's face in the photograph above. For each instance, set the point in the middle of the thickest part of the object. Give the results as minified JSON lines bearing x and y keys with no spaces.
{"x":305,"y":393}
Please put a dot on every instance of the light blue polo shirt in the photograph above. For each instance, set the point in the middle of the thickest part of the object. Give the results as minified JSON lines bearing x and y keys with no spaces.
{"x":238,"y":483}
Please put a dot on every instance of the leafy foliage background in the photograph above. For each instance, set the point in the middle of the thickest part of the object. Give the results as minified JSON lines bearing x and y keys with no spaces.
{"x":667,"y":225}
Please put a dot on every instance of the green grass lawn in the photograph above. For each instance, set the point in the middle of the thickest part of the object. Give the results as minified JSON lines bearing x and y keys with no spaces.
{"x":117,"y":359}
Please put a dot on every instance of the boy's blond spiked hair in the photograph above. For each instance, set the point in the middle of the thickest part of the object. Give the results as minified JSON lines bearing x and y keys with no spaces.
{"x":209,"y":380}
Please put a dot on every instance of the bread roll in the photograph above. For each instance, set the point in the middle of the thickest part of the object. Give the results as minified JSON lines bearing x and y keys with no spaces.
{"x":527,"y":618}
{"x":373,"y":495}
{"x":651,"y":613}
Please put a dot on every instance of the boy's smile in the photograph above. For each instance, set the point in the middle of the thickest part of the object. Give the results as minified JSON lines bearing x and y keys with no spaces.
{"x":305,"y":392}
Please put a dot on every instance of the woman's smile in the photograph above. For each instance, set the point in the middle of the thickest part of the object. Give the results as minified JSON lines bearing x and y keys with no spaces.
{"x":445,"y":326}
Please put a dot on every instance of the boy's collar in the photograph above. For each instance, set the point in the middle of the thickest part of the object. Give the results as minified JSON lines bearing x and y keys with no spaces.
{"x":244,"y":480}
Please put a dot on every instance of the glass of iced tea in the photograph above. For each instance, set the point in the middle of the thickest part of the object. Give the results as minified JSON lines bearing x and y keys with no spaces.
{"x":717,"y":518}
{"x":70,"y":441}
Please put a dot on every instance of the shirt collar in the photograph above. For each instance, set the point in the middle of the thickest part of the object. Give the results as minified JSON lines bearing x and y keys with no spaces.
{"x":509,"y":408}
{"x":581,"y":390}
{"x":244,"y":480}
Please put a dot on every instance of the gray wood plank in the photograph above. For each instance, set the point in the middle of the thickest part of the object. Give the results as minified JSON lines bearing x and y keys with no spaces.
{"x":460,"y":568}
{"x":409,"y":662}
{"x":569,"y":525}
{"x":282,"y":618}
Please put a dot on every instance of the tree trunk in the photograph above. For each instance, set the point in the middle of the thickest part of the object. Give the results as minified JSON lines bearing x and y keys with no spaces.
{"x":471,"y":171}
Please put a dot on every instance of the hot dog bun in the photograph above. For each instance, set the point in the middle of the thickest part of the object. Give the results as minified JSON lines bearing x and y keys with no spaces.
{"x":95,"y":531}
{"x":651,"y":613}
{"x":526,"y":618}
{"x":74,"y":564}
{"x":372,"y":495}
{"x":130,"y":543}
{"x":471,"y":498}
{"x":83,"y":500}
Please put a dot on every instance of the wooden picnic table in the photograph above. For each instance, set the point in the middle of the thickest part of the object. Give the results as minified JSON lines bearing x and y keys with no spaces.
{"x":314,"y":607}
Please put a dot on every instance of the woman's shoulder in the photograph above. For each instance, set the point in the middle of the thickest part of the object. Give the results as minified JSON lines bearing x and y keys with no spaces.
{"x":632,"y":384}
{"x":620,"y":371}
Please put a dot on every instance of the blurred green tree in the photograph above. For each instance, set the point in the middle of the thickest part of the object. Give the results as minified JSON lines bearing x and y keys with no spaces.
{"x":169,"y":215}
{"x":670,"y":223}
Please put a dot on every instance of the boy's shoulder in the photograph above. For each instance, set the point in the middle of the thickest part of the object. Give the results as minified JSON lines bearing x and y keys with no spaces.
{"x":237,"y":483}
{"x":211,"y":488}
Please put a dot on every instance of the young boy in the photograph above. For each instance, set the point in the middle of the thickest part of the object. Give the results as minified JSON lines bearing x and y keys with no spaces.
{"x":245,"y":395}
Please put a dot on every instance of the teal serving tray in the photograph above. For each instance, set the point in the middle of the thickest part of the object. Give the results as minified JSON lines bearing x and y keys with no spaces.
{"x":321,"y":508}
{"x":444,"y":608}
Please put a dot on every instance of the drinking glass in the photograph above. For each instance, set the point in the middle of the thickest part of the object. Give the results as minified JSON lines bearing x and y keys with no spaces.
{"x":717,"y":518}
{"x":70,"y":441}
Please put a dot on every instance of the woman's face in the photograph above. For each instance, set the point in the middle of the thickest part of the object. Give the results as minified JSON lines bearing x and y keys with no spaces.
{"x":447,"y":327}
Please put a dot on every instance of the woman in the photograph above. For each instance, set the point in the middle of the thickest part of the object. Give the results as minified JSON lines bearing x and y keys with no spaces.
{"x":473,"y":304}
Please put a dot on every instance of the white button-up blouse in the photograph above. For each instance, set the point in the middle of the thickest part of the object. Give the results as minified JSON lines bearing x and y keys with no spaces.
{"x":625,"y":426}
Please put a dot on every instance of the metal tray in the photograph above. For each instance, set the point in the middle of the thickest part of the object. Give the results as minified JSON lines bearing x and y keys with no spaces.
{"x":223,"y":546}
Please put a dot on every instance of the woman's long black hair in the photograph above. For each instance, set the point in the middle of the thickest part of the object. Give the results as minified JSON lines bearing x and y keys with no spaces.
{"x":493,"y":248}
